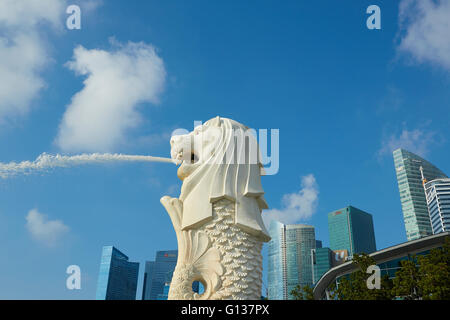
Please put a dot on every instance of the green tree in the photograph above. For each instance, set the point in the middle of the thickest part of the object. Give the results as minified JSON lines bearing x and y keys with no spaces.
{"x":303,"y":293}
{"x":405,"y":283}
{"x":425,"y":276}
{"x":354,"y":286}
{"x":434,"y":273}
{"x":419,"y":277}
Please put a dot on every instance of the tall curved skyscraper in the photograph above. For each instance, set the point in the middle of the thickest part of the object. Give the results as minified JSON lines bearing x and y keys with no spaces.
{"x":412,"y":195}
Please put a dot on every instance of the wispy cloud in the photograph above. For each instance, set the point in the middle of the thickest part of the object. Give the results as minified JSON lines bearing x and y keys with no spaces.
{"x":23,"y":53}
{"x":46,"y":231}
{"x":424,"y":31}
{"x":117,"y":82}
{"x":90,"y":5}
{"x":417,"y":141}
{"x":296,"y":206}
{"x":27,"y":14}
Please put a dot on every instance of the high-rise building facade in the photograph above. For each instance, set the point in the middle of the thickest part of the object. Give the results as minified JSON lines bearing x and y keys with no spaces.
{"x":318,"y":243}
{"x":351,"y":229}
{"x":118,"y":277}
{"x":148,"y":273}
{"x":289,"y":259}
{"x":321,"y":259}
{"x":158,"y":274}
{"x":438,"y":201}
{"x":165,"y":294}
{"x":276,"y":274}
{"x":412,"y":196}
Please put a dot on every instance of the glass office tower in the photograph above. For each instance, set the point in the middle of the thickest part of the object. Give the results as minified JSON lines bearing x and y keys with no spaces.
{"x":118,"y":277}
{"x":351,"y":229}
{"x":318,"y":243}
{"x":412,"y":196}
{"x":158,"y":273}
{"x":148,"y":272}
{"x":289,"y":259}
{"x":438,"y":202}
{"x":277,"y":262}
{"x":165,"y":294}
{"x":322,"y":261}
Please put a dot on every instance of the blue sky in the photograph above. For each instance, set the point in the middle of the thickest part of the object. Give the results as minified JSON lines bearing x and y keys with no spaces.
{"x":342,"y":96}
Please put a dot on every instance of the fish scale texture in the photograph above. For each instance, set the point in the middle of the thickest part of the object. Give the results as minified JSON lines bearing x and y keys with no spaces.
{"x":240,"y":252}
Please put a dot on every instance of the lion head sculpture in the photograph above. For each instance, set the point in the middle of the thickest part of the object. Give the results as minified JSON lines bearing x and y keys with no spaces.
{"x":220,"y":160}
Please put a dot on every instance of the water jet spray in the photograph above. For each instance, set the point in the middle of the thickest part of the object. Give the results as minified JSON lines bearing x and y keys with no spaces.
{"x":47,"y":161}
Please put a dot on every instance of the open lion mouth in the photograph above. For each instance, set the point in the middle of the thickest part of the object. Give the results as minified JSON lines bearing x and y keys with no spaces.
{"x":182,"y":158}
{"x":187,"y":163}
{"x":194,"y":158}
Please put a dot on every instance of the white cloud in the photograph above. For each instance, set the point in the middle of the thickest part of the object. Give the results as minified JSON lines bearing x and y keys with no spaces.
{"x":417,"y":141}
{"x":48,"y":232}
{"x":21,"y":59}
{"x":22,"y":51}
{"x":27,"y":14}
{"x":90,"y":5}
{"x":425,"y":28}
{"x":100,"y":115}
{"x":296,"y":206}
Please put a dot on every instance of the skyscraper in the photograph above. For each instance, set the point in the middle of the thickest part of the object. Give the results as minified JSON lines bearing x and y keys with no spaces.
{"x":117,"y":279}
{"x":438,"y":201}
{"x":351,"y":229}
{"x":165,"y":292}
{"x":158,"y":273}
{"x":148,"y":273}
{"x":289,"y":258}
{"x":321,"y":259}
{"x":412,"y":196}
{"x":318,"y":243}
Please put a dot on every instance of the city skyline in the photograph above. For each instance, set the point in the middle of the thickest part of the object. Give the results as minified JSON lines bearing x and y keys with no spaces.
{"x":296,"y":257}
{"x":345,"y":225}
{"x":342,"y":96}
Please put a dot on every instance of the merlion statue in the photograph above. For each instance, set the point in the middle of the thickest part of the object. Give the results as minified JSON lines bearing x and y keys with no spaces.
{"x":217,"y":218}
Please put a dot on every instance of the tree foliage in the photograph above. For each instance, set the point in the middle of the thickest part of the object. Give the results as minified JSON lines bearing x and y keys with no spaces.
{"x":424,"y":277}
{"x":406,"y":280}
{"x":419,"y":277}
{"x":303,"y":293}
{"x":354,"y":286}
